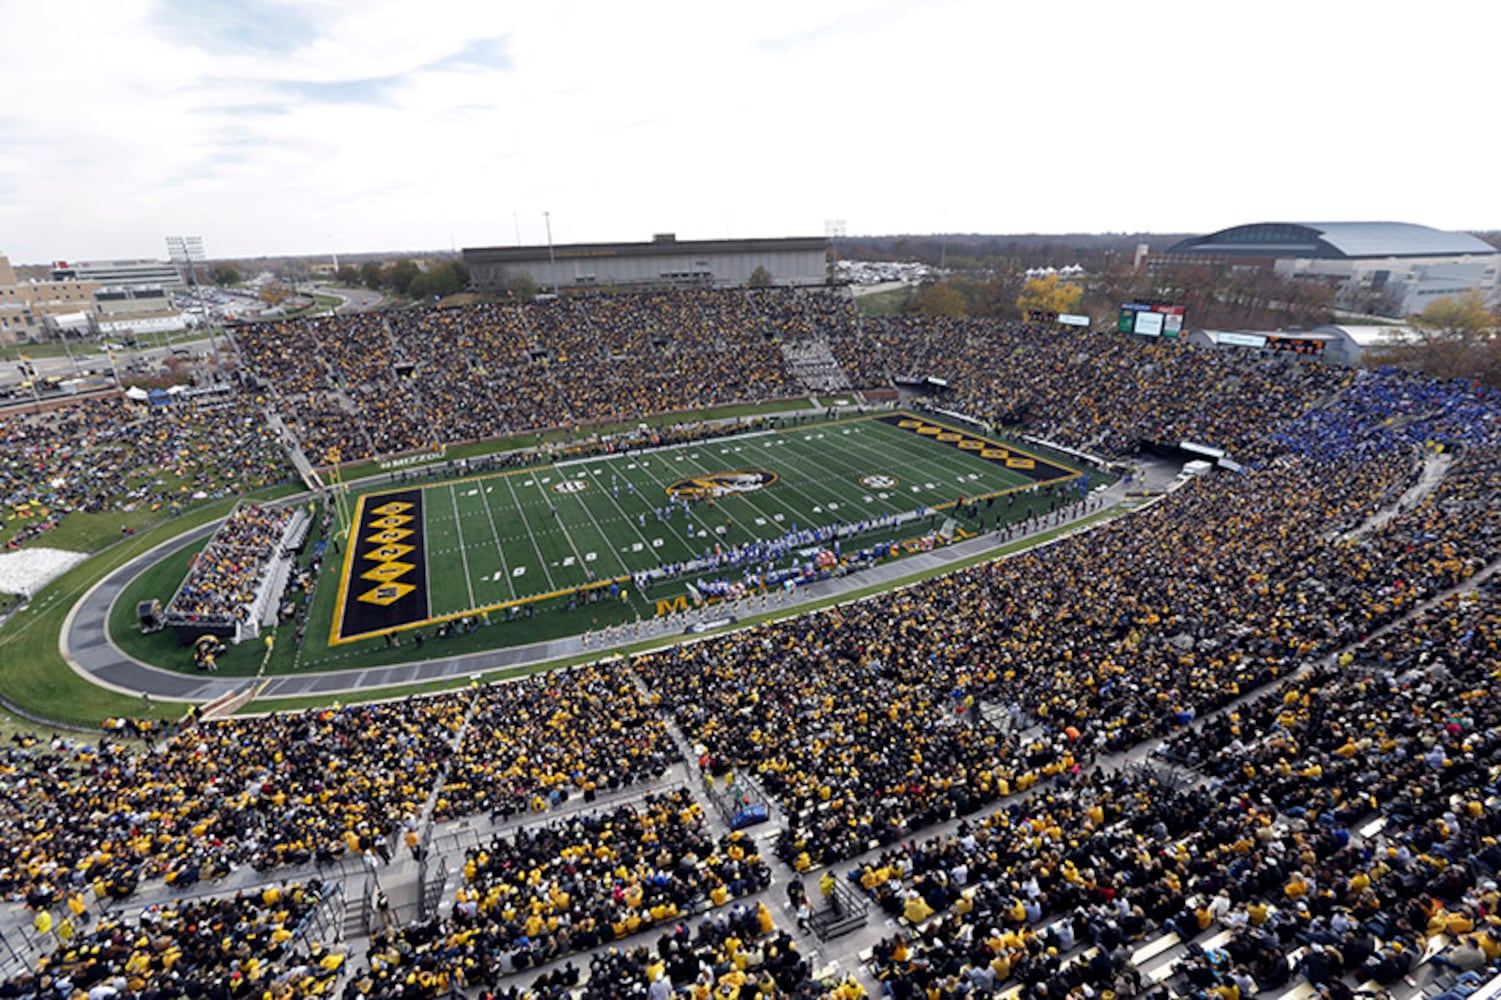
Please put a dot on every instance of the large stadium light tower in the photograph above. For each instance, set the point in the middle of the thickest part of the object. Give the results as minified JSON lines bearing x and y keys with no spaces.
{"x":834,"y":229}
{"x":188,"y":250}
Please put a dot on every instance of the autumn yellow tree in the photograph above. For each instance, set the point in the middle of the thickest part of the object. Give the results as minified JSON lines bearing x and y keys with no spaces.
{"x":1455,"y":336}
{"x":1048,"y":294}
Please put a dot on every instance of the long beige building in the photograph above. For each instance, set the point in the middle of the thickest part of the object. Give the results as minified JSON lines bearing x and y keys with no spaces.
{"x":25,"y":305}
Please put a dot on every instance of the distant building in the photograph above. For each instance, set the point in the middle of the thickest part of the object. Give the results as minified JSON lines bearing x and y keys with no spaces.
{"x":664,"y":262}
{"x":127,"y":290}
{"x":130,"y":274}
{"x":25,"y":306}
{"x":1393,"y":268}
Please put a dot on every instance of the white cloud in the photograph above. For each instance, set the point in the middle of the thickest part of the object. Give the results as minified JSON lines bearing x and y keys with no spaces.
{"x":280,"y":127}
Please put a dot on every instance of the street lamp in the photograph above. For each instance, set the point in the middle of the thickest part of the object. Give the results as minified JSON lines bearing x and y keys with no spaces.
{"x":189,"y":250}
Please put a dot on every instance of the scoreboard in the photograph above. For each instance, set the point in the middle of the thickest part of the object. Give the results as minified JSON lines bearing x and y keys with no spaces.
{"x":1151,"y":319}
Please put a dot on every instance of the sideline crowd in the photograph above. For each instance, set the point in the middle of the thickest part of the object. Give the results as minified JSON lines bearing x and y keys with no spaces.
{"x":1361,"y":497}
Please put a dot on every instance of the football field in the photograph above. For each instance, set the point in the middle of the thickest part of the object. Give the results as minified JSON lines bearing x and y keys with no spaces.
{"x":427,"y":553}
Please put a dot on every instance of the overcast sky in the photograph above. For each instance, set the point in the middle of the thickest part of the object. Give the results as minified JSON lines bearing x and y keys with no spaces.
{"x":305,"y":127}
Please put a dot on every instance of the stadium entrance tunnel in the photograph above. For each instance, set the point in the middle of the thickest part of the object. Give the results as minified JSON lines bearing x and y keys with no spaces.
{"x":1176,"y":452}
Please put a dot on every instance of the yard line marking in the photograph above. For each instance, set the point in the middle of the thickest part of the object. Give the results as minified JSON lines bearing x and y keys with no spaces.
{"x":838,"y":483}
{"x":495,"y":533}
{"x":747,"y":498}
{"x":527,"y":525}
{"x":691,"y":552}
{"x":634,"y":527}
{"x":604,"y":536}
{"x":463,"y":555}
{"x":567,"y":535}
{"x":922,"y":462}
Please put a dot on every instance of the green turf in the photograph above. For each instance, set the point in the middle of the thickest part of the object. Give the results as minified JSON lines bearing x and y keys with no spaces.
{"x":514,"y":536}
{"x":560,"y":435}
{"x":598,"y":531}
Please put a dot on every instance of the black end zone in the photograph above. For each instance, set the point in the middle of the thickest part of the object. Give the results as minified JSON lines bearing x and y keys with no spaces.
{"x":1023,"y":463}
{"x":387,"y":583}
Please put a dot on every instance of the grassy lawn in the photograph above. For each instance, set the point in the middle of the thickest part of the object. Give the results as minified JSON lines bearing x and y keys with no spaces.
{"x":36,"y":678}
{"x":321,"y":303}
{"x":13,"y":352}
{"x":887,"y":303}
{"x":82,"y":531}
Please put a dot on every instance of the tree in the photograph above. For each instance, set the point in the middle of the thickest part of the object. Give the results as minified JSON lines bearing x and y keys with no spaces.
{"x":399,"y":276}
{"x":760,"y":278}
{"x":274,"y":294}
{"x":1048,"y":294}
{"x":523,"y":286}
{"x":1455,"y":336}
{"x":1460,"y":318}
{"x":371,"y":276}
{"x":348,"y":275}
{"x":225,"y":276}
{"x":448,"y":278}
{"x":940,"y":298}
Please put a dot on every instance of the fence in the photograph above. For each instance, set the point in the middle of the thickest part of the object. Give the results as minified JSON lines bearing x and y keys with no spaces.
{"x":325,"y":924}
{"x":846,"y":912}
{"x":430,"y":883}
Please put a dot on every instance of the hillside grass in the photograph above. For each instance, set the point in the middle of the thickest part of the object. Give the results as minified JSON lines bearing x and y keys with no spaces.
{"x":37,"y":679}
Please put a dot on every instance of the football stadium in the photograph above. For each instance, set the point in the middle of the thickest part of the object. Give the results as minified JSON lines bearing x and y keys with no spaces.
{"x":713,"y":642}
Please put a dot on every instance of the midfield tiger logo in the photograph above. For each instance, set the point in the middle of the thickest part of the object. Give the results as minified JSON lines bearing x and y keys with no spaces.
{"x":721,"y":484}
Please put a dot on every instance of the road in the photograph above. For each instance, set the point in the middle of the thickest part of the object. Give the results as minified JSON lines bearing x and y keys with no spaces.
{"x":860,"y":291}
{"x":354,"y":299}
{"x":89,"y":359}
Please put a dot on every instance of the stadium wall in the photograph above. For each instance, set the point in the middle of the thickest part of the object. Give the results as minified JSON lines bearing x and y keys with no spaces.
{"x":663,"y":262}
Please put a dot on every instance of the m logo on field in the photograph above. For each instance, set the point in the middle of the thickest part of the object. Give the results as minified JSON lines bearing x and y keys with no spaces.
{"x":879,"y":482}
{"x":720,"y":484}
{"x":570,"y":486}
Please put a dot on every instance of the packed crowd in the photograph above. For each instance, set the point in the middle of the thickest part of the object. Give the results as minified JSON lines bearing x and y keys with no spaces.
{"x":113,"y":455}
{"x":222,"y":580}
{"x":247,"y":945}
{"x":368,"y":384}
{"x":1102,"y":392}
{"x":540,"y":740}
{"x":1405,"y":730}
{"x":1363,"y":496}
{"x":268,"y":791}
{"x":1108,"y":640}
{"x":734,"y":952}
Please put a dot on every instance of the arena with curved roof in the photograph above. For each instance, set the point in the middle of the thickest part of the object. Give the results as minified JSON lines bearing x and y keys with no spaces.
{"x":1393,"y":267}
